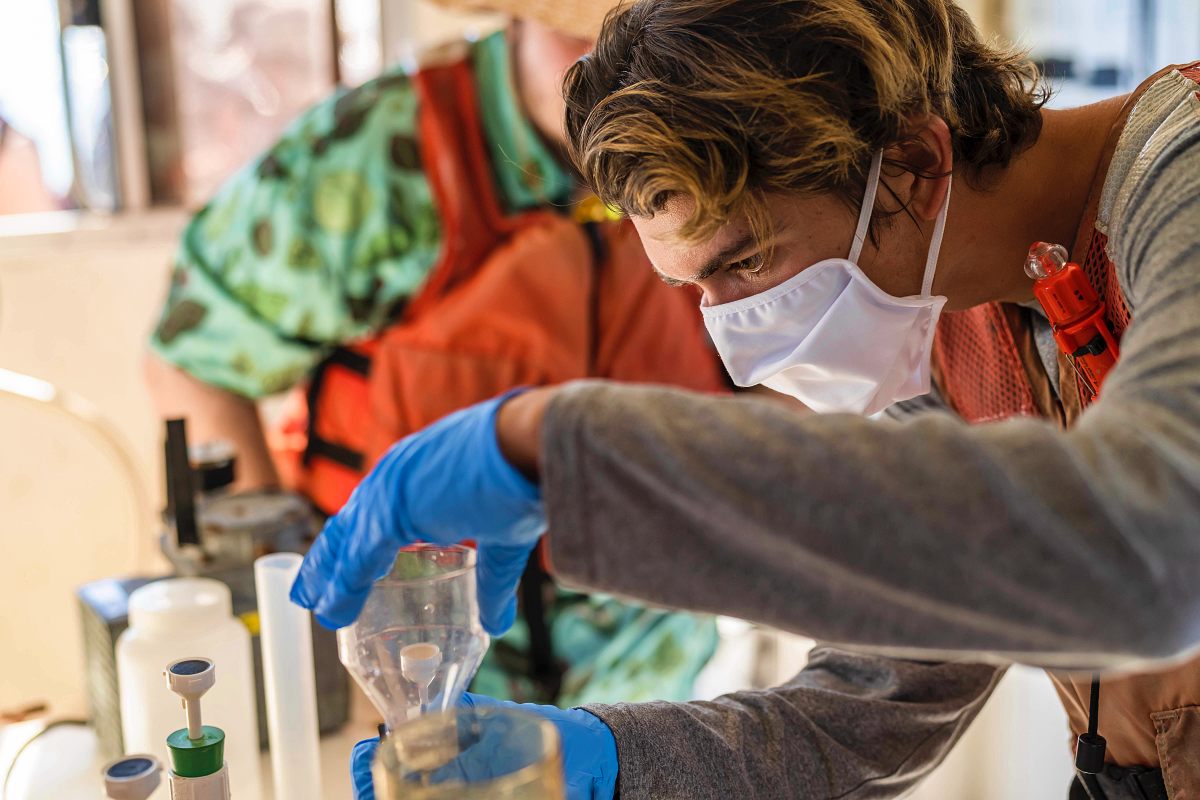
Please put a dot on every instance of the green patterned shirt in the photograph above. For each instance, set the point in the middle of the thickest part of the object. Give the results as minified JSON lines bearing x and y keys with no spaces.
{"x":321,"y":240}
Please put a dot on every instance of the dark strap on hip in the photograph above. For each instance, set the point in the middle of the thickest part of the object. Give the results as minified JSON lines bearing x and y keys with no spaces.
{"x":1121,"y":783}
{"x":338,"y":453}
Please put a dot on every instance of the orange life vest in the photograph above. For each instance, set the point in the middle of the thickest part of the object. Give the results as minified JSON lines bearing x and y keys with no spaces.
{"x":982,"y":354}
{"x":987,"y":369}
{"x":531,"y":298}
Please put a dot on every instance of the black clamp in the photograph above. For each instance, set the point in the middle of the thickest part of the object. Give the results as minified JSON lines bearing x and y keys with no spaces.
{"x":1089,"y":751}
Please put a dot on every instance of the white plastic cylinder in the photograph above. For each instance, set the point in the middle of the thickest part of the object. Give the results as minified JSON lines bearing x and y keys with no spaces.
{"x":210,"y":787}
{"x":289,"y":679}
{"x":181,"y":618}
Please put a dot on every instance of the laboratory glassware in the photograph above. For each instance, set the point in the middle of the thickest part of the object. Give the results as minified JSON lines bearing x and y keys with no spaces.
{"x":418,"y":640}
{"x":174,"y":619}
{"x":289,"y":680}
{"x":486,"y":753}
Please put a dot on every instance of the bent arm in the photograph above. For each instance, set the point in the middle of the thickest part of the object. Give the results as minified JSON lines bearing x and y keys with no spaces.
{"x":930,"y":534}
{"x":1061,"y":549}
{"x":848,"y":726}
{"x":214,"y":413}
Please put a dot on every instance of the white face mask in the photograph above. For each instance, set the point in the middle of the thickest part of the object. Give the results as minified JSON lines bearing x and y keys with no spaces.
{"x":829,"y":336}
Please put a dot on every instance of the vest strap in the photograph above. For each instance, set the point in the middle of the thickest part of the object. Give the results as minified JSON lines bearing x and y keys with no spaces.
{"x":352,"y":459}
{"x":454,"y":158}
{"x":351,"y":360}
{"x":359,"y":364}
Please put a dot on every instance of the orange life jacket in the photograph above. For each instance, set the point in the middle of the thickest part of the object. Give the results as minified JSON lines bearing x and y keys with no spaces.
{"x":987,"y":368}
{"x":531,"y":298}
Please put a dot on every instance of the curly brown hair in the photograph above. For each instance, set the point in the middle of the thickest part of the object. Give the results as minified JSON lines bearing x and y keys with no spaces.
{"x":727,"y":101}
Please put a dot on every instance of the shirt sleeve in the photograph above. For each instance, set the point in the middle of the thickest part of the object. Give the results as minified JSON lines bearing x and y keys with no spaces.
{"x":312,"y":245}
{"x":849,"y":726}
{"x":1072,"y":549}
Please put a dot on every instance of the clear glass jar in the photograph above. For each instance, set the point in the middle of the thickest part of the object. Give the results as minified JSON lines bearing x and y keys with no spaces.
{"x":485,"y":753}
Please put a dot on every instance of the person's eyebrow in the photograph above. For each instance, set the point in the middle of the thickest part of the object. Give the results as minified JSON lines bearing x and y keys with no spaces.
{"x":728,"y":255}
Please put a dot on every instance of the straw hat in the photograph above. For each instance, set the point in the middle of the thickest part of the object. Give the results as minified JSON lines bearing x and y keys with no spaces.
{"x":581,"y":18}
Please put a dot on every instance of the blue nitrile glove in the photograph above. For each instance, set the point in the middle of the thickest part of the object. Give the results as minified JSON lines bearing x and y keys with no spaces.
{"x":443,"y":484}
{"x":589,"y":753}
{"x":360,"y":768}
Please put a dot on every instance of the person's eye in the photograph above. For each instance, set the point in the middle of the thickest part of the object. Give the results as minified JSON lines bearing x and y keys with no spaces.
{"x":748,"y":266}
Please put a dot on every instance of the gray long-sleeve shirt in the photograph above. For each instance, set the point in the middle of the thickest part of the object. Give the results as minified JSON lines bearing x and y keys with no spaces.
{"x":930,"y":536}
{"x":798,"y":740}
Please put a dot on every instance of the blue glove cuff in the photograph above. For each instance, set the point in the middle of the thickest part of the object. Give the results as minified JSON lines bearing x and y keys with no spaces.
{"x":605,"y":765}
{"x":360,"y":769}
{"x":589,"y":749}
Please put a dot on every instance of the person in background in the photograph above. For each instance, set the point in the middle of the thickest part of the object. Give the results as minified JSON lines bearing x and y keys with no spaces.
{"x":411,"y":247}
{"x":855,"y":186}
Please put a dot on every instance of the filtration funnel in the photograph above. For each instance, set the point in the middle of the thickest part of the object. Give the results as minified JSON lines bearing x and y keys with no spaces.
{"x":418,"y":641}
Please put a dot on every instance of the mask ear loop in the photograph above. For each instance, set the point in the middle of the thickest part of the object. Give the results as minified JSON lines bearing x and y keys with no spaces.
{"x":935,"y":245}
{"x":868,"y":207}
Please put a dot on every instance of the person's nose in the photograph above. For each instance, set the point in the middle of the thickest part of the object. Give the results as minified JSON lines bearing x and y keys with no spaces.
{"x":716,"y":292}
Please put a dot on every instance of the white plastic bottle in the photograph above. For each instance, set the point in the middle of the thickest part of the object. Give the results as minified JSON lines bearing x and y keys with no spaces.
{"x":179,"y":618}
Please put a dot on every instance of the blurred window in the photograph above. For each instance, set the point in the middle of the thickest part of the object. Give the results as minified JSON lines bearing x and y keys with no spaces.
{"x":36,"y":169}
{"x":360,"y":51}
{"x":1094,"y":49}
{"x":221,"y":79}
{"x":206,"y":86}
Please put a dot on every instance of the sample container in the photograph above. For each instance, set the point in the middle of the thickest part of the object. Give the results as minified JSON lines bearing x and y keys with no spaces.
{"x":487,"y":753}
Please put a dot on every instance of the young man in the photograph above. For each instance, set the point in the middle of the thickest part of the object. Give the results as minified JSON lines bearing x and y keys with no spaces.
{"x":747,"y":140}
{"x":411,"y":247}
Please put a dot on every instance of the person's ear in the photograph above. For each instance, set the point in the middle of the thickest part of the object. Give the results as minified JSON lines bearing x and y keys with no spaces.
{"x":935,"y":160}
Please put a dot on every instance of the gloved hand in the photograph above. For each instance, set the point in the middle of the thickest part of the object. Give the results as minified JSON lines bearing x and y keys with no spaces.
{"x":589,"y":753}
{"x":443,"y":484}
{"x":360,"y":768}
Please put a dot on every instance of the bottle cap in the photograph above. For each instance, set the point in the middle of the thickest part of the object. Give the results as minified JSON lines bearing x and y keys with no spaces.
{"x":131,"y":777}
{"x":180,"y":606}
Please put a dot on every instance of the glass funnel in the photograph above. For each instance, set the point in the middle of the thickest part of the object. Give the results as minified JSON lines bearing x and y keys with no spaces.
{"x":418,"y":641}
{"x":487,"y":753}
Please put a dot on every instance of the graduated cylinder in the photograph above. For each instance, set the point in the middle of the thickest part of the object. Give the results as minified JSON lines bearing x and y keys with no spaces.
{"x":289,"y":679}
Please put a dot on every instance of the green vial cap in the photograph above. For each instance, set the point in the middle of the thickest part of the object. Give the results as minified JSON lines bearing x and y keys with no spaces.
{"x":195,"y":758}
